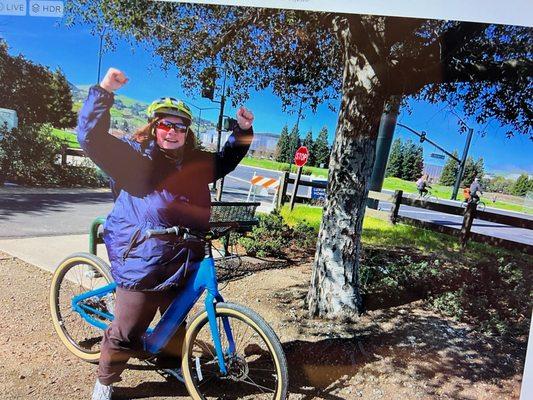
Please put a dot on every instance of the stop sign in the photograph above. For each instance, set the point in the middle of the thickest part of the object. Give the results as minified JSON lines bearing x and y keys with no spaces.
{"x":301,"y":156}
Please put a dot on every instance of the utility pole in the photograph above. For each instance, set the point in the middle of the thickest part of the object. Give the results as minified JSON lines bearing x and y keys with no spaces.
{"x":100,"y":54}
{"x":387,"y":126}
{"x":462,"y":161}
{"x":220,"y":182}
{"x":461,"y":168}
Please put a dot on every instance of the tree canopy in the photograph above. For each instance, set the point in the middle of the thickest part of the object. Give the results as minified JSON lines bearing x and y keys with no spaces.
{"x":37,"y":94}
{"x":485,"y":68}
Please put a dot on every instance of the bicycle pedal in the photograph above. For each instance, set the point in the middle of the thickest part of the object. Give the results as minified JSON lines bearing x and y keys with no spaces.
{"x":176,"y":373}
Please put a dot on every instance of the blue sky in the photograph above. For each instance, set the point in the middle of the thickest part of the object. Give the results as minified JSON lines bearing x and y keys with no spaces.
{"x":75,"y":51}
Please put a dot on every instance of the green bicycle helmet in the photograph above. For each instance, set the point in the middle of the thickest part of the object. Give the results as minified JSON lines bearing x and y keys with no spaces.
{"x":169,"y":106}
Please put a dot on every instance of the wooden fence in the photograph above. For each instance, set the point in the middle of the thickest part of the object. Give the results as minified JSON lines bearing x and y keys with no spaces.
{"x":469,"y":214}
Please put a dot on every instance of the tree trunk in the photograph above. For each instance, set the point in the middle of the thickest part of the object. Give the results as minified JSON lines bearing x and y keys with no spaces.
{"x":334,"y":291}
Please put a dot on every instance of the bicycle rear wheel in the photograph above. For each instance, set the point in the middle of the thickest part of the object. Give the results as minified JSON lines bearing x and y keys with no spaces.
{"x":481,"y":206}
{"x":256,"y":370}
{"x":79,"y":273}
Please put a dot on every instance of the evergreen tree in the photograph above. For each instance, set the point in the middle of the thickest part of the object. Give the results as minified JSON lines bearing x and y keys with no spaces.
{"x":282,"y":148}
{"x":321,"y":148}
{"x":449,"y":171}
{"x":410,"y":167}
{"x":522,"y":185}
{"x":60,"y":103}
{"x":294,"y":143}
{"x":394,"y":165}
{"x":308,"y":142}
{"x":418,"y":166}
{"x":472,"y":170}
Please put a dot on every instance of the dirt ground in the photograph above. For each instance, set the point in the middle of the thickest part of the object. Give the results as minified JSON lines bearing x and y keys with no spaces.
{"x":405,"y":352}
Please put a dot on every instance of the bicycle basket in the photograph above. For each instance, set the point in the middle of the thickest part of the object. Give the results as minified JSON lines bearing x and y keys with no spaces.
{"x":240,"y":215}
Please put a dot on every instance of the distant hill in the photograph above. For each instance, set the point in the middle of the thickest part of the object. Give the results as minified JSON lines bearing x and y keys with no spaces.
{"x":128,"y":114}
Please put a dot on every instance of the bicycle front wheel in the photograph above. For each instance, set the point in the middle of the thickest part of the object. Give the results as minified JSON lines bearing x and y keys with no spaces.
{"x":75,"y":275}
{"x":481,"y":206}
{"x":257,"y":369}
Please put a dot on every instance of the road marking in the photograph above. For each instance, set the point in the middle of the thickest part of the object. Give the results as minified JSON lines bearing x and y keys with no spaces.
{"x":238,"y":179}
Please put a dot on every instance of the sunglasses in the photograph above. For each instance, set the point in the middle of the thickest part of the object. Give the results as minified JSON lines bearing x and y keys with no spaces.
{"x":166,"y":126}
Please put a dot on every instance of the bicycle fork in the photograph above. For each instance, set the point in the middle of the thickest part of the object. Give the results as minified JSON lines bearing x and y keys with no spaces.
{"x":213,"y":296}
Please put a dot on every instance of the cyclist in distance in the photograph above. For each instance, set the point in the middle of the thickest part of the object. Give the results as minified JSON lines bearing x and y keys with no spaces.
{"x":422,"y":185}
{"x":161,"y":180}
{"x":475,"y":188}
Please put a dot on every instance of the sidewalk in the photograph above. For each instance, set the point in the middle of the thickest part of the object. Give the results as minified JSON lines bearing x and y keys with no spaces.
{"x":46,"y":252}
{"x":10,"y":188}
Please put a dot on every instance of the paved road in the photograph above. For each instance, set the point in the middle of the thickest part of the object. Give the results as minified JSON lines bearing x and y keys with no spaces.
{"x":49,"y":212}
{"x":455,"y":221}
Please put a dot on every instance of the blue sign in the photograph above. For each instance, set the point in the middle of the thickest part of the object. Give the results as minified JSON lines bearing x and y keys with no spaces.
{"x":318,"y":193}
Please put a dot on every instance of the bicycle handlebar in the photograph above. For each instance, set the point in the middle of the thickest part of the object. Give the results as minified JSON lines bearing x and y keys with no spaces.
{"x":159,"y":232}
{"x":181,"y":231}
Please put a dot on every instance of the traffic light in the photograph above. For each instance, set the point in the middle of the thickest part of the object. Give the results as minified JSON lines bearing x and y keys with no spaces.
{"x":422,"y":137}
{"x":208,"y":77}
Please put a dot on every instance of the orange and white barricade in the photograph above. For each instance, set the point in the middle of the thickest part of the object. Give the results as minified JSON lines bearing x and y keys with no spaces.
{"x":262,"y":183}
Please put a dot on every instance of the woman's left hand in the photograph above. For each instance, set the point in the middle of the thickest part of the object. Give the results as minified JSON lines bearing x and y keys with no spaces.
{"x":245,"y":118}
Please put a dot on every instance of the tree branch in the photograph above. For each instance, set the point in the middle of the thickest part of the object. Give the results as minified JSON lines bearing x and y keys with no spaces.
{"x":470,"y":71}
{"x":490,"y":71}
{"x":231,"y":33}
{"x":432,"y":64}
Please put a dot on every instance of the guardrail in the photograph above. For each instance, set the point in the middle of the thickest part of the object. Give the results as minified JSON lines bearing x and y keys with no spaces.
{"x":465,"y":234}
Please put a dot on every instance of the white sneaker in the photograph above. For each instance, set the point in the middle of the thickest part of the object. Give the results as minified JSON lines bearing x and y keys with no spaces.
{"x":102,"y":392}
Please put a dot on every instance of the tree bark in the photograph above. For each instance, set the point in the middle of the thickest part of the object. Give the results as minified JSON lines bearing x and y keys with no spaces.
{"x":334,"y":290}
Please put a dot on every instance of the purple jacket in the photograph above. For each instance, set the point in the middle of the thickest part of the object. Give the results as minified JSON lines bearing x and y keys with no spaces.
{"x":155,"y":192}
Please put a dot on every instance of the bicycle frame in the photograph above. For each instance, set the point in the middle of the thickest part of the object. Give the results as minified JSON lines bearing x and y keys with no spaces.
{"x":202,"y":277}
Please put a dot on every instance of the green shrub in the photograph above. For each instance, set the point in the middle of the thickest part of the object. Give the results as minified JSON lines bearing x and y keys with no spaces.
{"x":28,"y":156}
{"x":274,"y":237}
{"x":496,"y":297}
{"x":269,"y":237}
{"x":382,"y":273}
{"x":304,"y":236}
{"x":450,"y":304}
{"x":29,"y":153}
{"x":307,"y":171}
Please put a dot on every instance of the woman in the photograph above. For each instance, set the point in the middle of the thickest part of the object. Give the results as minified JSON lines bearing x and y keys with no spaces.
{"x":160,"y":180}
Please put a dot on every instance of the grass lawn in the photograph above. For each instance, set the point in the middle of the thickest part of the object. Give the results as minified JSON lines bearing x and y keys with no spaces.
{"x":278,"y":166}
{"x":68,"y":137}
{"x":379,"y":233}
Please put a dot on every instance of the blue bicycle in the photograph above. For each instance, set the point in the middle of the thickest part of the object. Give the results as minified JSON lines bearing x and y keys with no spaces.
{"x":229,"y":351}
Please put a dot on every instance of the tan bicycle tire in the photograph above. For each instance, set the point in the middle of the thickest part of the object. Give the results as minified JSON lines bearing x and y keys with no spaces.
{"x":60,"y":272}
{"x":258,"y":324}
